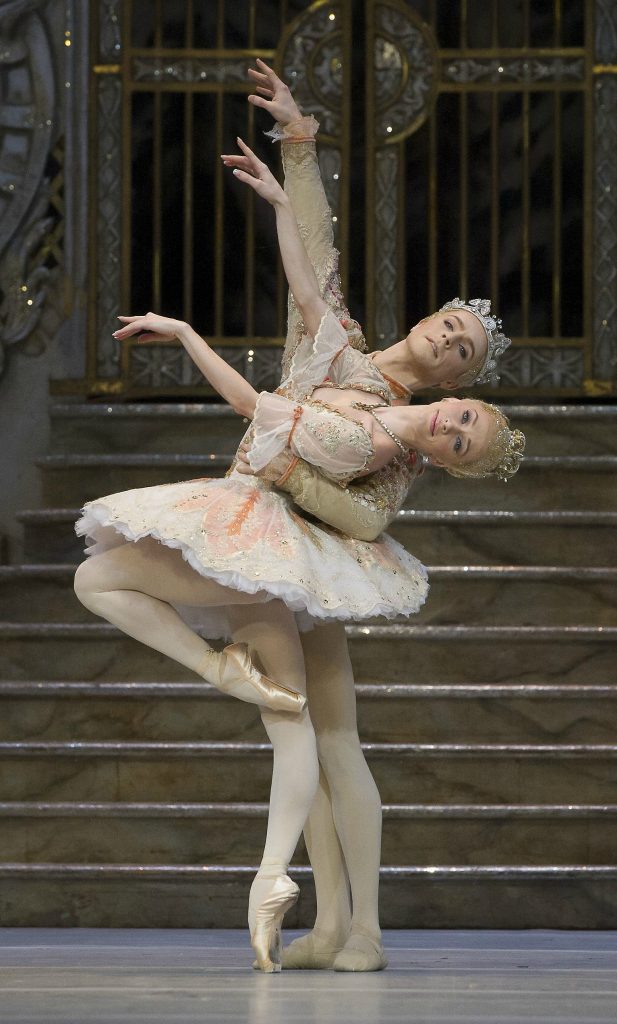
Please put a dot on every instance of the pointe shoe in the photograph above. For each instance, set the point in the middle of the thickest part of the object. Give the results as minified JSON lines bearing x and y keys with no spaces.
{"x":266,"y":933}
{"x":309,"y":954}
{"x":238,"y":677}
{"x":361,"y":952}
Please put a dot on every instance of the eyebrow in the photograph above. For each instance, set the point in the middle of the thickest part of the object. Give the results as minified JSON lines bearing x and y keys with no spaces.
{"x":468,"y":339}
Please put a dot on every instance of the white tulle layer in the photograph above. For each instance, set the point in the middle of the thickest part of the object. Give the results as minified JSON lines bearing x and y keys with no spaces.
{"x":247,"y":537}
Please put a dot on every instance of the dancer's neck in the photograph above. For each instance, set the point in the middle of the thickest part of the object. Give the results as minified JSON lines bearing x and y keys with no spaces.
{"x":396,"y":362}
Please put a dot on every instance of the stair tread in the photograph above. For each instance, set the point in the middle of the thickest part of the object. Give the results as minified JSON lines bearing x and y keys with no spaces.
{"x":568,"y":462}
{"x":411,"y":515}
{"x":154,"y":410}
{"x":394,"y":871}
{"x":245,"y":748}
{"x":79,"y":808}
{"x":396,"y":631}
{"x":43,"y":688}
{"x":523,"y":572}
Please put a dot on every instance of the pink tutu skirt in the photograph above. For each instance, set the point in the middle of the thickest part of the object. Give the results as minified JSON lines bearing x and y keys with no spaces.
{"x":247,"y":536}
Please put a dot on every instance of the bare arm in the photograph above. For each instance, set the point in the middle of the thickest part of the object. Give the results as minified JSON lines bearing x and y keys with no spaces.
{"x":228,"y":382}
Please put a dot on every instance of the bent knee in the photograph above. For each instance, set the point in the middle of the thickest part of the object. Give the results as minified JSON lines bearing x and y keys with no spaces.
{"x":84,"y":580}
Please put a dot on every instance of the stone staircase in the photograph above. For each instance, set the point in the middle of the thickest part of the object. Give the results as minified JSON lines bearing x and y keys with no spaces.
{"x":134,"y":795}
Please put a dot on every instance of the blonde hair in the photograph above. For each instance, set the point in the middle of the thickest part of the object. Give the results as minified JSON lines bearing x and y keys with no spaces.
{"x":503,"y":455}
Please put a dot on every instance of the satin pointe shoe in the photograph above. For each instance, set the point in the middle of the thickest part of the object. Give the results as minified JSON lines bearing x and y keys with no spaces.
{"x":236,"y":675}
{"x":267,"y":921}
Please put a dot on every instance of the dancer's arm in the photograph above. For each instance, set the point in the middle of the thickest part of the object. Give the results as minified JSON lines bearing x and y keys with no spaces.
{"x":361,"y":510}
{"x":304,"y":186}
{"x":230,"y":384}
{"x":298,"y":268}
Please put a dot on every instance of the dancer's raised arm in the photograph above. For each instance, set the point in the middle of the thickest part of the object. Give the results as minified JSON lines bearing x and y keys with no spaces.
{"x":298,"y":268}
{"x":304,"y":186}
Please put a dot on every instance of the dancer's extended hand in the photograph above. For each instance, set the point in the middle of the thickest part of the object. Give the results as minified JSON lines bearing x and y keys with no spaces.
{"x":149,"y":327}
{"x":275,"y":96}
{"x":273,"y":471}
{"x":254,"y":172}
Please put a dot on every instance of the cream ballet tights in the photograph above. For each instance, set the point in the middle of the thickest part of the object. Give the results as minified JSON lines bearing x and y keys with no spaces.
{"x":131,"y":584}
{"x":344,"y":826}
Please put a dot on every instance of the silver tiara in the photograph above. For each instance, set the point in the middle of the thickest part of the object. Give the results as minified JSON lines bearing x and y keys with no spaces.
{"x":497,"y":341}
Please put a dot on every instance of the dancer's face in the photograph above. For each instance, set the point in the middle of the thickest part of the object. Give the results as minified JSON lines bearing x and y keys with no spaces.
{"x":446,"y":346}
{"x":457,"y":431}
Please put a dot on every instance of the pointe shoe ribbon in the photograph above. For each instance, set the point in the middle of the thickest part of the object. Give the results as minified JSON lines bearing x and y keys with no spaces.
{"x":266,"y":934}
{"x":239,"y":678}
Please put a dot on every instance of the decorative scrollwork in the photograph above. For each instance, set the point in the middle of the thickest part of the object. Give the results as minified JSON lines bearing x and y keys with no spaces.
{"x":192,"y":69}
{"x":405,"y":71}
{"x":605,"y":229}
{"x":110,"y":35}
{"x":606,"y":31}
{"x":27,"y":103}
{"x":312,"y":64}
{"x":386,"y":192}
{"x":170,"y":366}
{"x":498,"y":69}
{"x":108,"y":222}
{"x":542,"y":367}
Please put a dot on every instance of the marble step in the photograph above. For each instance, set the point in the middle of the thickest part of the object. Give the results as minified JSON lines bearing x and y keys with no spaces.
{"x":568,"y":481}
{"x":474,"y":594}
{"x":462,"y":537}
{"x":157,"y":427}
{"x":403,"y":713}
{"x":489,"y":654}
{"x":75,"y":479}
{"x":437,"y":537}
{"x":190,"y":896}
{"x":194,"y":426}
{"x":418,"y":834}
{"x":219,"y":771}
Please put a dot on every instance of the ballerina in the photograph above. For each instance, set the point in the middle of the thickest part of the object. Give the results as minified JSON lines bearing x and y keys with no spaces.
{"x":343,"y":831}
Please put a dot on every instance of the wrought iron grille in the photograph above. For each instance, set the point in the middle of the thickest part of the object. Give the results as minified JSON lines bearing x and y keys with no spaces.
{"x":484,"y":166}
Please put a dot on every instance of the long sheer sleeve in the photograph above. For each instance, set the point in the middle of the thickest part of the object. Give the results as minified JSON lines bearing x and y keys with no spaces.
{"x":305,"y":189}
{"x":361,"y":510}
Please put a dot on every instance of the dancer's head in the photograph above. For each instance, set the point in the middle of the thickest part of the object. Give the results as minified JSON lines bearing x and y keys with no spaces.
{"x":468,"y":437}
{"x":457,"y":346}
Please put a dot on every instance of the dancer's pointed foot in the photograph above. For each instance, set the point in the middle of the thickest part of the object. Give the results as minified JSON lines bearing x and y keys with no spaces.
{"x":233,"y":672}
{"x":312,"y":952}
{"x":266,"y":914}
{"x":361,"y":952}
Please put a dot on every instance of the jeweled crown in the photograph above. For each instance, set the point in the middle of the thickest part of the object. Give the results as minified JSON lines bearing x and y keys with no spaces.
{"x":497,"y":341}
{"x":503,"y":455}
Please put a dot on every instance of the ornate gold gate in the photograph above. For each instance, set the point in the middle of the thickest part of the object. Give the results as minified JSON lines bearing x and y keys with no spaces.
{"x":171,"y":230}
{"x":485,"y":166}
{"x":480,"y":149}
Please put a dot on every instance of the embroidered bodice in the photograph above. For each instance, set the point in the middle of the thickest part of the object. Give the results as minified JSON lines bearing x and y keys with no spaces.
{"x":330,"y":438}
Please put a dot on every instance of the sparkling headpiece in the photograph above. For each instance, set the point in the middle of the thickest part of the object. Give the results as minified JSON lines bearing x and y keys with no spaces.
{"x":497,"y":341}
{"x":504,"y":454}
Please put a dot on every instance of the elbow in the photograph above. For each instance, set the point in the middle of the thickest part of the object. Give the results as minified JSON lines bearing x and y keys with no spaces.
{"x":243,"y":409}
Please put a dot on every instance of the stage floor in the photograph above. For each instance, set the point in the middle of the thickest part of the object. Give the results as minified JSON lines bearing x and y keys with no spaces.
{"x":100,"y":976}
